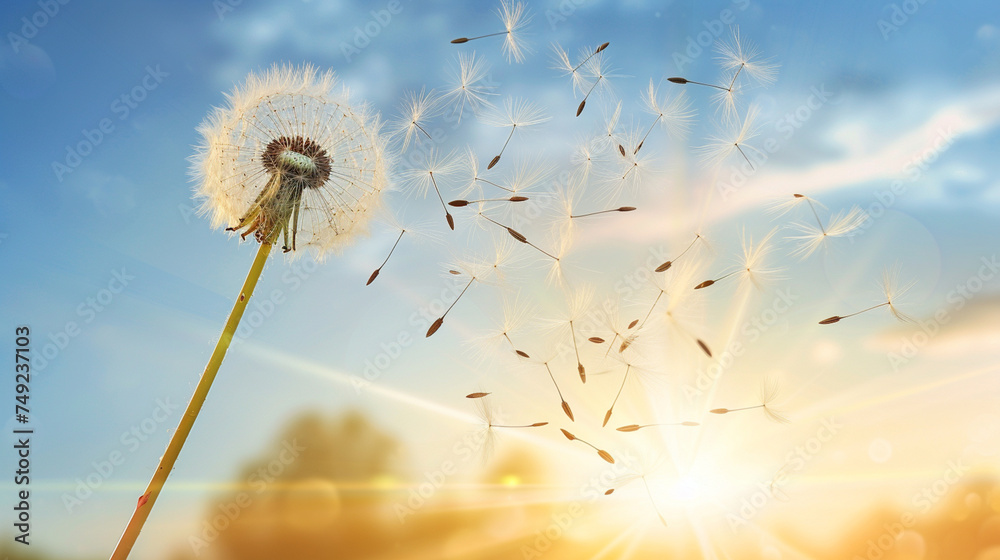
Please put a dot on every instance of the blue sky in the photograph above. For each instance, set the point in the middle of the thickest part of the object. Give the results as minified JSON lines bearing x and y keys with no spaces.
{"x":125,"y":208}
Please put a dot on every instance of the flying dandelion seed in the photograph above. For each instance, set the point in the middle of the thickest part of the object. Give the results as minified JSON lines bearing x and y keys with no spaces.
{"x":289,"y":156}
{"x":619,"y":209}
{"x":515,"y":18}
{"x":637,"y":427}
{"x":812,"y":237}
{"x":666,"y":265}
{"x":743,"y":57}
{"x":768,"y":393}
{"x":476,"y":274}
{"x":569,"y":69}
{"x":435,"y":166}
{"x":470,"y":86}
{"x":751,"y":268}
{"x":489,"y":416}
{"x":378,"y":270}
{"x":416,"y":231}
{"x":737,"y":57}
{"x":640,"y":472}
{"x":890,"y":285}
{"x":517,"y":235}
{"x":674,"y":115}
{"x":720,"y":147}
{"x":516,"y":113}
{"x":632,"y":166}
{"x":565,"y":405}
{"x":514,"y":317}
{"x":577,"y":304}
{"x":600,"y":452}
{"x":415,"y":111}
{"x":597,"y":69}
{"x":607,"y":415}
{"x":473,"y":184}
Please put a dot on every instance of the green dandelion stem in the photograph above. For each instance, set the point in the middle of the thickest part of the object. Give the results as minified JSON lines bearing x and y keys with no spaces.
{"x":166,"y":464}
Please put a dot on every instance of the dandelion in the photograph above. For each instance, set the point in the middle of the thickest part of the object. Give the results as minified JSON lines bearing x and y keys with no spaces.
{"x":890,"y":285}
{"x":600,"y":452}
{"x":768,"y":393}
{"x":289,"y":156}
{"x":751,"y":266}
{"x":516,"y":113}
{"x":434,"y":167}
{"x":673,"y":114}
{"x":515,"y":18}
{"x":470,"y":85}
{"x":637,"y":427}
{"x":489,"y":416}
{"x":719,"y":148}
{"x":812,"y":237}
{"x":416,"y":108}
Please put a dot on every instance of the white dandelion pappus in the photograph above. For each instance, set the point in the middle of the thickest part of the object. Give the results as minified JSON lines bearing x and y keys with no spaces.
{"x":291,"y":156}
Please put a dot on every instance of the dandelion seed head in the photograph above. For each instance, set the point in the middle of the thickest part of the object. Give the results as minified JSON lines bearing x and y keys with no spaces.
{"x":289,"y":154}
